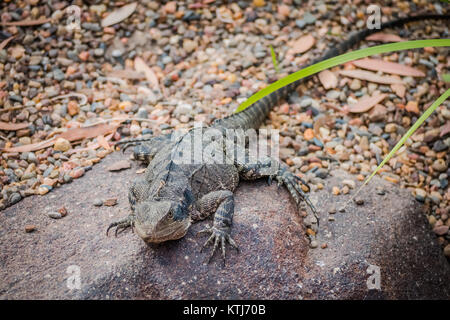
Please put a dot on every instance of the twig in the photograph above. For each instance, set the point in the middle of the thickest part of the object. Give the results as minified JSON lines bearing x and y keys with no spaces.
{"x":73,"y":94}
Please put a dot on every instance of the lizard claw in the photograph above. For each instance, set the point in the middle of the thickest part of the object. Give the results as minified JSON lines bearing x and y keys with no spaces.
{"x":217,"y":237}
{"x":121,"y":225}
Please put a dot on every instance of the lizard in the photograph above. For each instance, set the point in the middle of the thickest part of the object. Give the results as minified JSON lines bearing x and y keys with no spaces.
{"x":172,"y":195}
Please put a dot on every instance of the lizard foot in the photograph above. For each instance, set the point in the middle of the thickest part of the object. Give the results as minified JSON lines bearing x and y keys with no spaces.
{"x":292,"y":183}
{"x":121,"y":225}
{"x":217,"y":237}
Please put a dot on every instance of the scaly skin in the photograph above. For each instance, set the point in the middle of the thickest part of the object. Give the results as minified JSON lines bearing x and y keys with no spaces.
{"x":172,"y":195}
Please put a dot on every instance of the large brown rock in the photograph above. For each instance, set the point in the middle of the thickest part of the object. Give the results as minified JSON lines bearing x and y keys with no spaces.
{"x":389,"y":232}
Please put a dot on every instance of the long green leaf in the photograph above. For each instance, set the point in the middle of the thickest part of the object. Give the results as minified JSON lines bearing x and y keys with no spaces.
{"x":411,"y":130}
{"x":346,"y":57}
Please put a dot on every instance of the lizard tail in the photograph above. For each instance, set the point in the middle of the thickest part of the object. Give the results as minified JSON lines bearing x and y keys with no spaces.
{"x":254,"y":115}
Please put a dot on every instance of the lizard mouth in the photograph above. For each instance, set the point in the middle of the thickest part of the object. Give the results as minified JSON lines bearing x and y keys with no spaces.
{"x":171,"y":231}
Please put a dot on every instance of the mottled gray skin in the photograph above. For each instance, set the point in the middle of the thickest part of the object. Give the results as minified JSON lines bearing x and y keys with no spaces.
{"x":172,"y":195}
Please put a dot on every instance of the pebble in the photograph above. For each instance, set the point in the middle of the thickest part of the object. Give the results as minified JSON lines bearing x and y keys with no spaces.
{"x":54,"y":215}
{"x":110,"y":202}
{"x":30,"y":228}
{"x":62,"y":144}
{"x":335,"y":191}
{"x":97,"y":202}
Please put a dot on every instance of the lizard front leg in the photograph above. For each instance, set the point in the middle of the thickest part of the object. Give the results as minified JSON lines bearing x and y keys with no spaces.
{"x":222,"y":204}
{"x":272,"y":168}
{"x":137,"y":192}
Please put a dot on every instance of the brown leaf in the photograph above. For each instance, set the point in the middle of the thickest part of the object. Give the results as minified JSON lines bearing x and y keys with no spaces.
{"x":7,"y":126}
{"x":366,"y":103}
{"x":141,"y":66}
{"x":388,"y":67}
{"x":303,"y":44}
{"x":328,"y":79}
{"x":399,"y":89}
{"x":384,"y":37}
{"x":102,"y":142}
{"x":119,"y":15}
{"x":127,"y":74}
{"x":445,"y":129}
{"x":71,"y":135}
{"x":370,"y":76}
{"x":26,"y":23}
{"x":5,"y":42}
{"x":120,"y":165}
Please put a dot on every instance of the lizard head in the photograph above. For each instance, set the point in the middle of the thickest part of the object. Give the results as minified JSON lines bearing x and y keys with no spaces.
{"x":159,"y":221}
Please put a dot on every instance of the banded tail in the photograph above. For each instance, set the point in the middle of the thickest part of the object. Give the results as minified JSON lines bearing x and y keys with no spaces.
{"x":254,"y":115}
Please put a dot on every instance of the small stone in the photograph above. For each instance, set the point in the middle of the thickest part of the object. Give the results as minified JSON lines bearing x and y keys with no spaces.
{"x":439,"y":165}
{"x":441,"y":230}
{"x":119,"y":165}
{"x":76,"y":173}
{"x":30,"y":228}
{"x":189,"y":45}
{"x":345,"y":190}
{"x":62,"y":145}
{"x":97,"y":202}
{"x":350,"y":183}
{"x":359,"y":201}
{"x":355,"y":84}
{"x":324,"y":245}
{"x":420,"y":195}
{"x":447,"y":251}
{"x":336,"y":191}
{"x":332,"y":210}
{"x":321,"y":173}
{"x":62,"y":211}
{"x":412,"y":106}
{"x":54,"y":215}
{"x":390,"y":128}
{"x":110,"y":202}
{"x":73,"y":108}
{"x":314,"y":244}
{"x":432,"y":220}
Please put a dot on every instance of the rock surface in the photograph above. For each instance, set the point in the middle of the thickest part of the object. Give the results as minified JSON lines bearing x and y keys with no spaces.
{"x":389,"y":231}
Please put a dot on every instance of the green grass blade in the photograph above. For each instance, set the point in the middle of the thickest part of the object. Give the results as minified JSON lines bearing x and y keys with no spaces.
{"x":411,"y":130}
{"x":346,"y":57}
{"x":274,"y":59}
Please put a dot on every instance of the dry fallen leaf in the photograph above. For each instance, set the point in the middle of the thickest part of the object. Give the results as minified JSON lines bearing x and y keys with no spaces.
{"x":6,"y":126}
{"x":141,"y":66}
{"x":370,"y":76}
{"x":5,"y":42}
{"x":399,"y":89}
{"x":102,"y":142}
{"x":445,"y":129}
{"x":388,"y":67}
{"x":127,"y":74}
{"x":328,"y":79}
{"x":303,"y":44}
{"x":26,"y":23}
{"x":71,"y":135}
{"x":366,"y":103}
{"x":119,"y":15}
{"x":384,"y":37}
